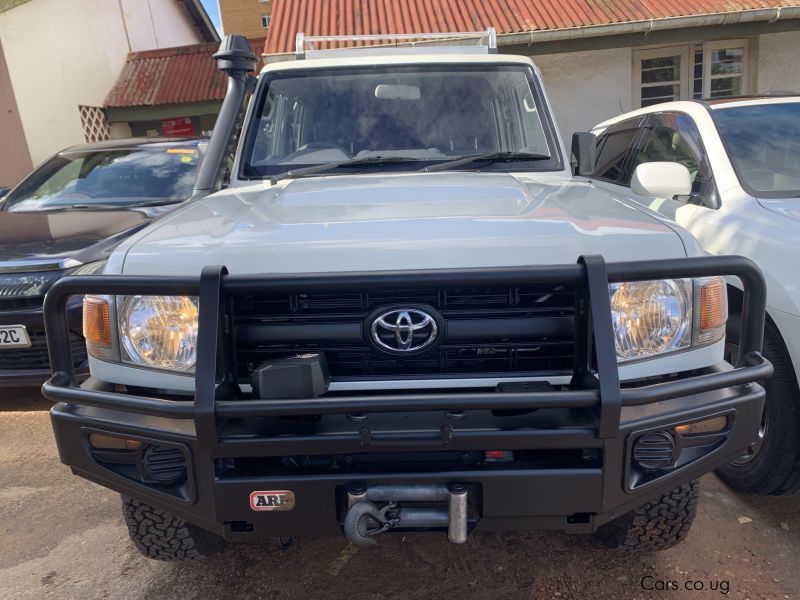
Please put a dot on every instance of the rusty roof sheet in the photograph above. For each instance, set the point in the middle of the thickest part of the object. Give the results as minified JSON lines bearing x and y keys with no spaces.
{"x":180,"y":75}
{"x":358,"y":17}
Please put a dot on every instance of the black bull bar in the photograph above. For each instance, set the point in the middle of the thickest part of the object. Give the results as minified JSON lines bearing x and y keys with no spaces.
{"x":595,"y":381}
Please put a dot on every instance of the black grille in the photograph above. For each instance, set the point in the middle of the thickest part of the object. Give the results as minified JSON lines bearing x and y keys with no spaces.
{"x":36,"y":357}
{"x":654,"y":451}
{"x":8,"y":303}
{"x":497,"y":330}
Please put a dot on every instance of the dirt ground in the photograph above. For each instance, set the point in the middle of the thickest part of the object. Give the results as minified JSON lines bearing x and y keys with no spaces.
{"x":63,"y":537}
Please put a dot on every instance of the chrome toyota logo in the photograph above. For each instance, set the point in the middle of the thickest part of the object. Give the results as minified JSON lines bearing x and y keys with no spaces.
{"x":403,"y":330}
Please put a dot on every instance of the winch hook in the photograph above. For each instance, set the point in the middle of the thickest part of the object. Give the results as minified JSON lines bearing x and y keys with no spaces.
{"x":364,"y":521}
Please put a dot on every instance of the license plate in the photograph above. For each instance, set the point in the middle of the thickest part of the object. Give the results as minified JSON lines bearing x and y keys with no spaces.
{"x":14,"y":336}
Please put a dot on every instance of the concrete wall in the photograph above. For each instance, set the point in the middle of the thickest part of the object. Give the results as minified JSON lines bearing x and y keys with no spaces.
{"x":586,"y":88}
{"x":62,"y":54}
{"x":778,"y":62}
{"x":244,"y":17}
{"x":15,"y":161}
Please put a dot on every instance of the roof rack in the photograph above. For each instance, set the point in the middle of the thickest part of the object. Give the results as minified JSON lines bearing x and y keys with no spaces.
{"x":304,"y":44}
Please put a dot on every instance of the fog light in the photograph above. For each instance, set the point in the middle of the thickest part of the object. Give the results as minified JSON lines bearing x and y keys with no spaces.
{"x":110,"y":442}
{"x":713,"y":425}
{"x":654,"y":451}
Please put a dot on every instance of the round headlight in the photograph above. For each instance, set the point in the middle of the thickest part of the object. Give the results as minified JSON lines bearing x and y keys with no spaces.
{"x":651,"y":317}
{"x":159,"y":331}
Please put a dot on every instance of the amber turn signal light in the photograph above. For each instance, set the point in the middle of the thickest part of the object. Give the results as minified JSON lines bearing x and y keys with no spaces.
{"x":713,"y":425}
{"x":713,"y":305}
{"x":101,"y":441}
{"x":97,"y":326}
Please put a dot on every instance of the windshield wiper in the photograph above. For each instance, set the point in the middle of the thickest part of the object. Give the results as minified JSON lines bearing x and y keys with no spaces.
{"x":101,"y":206}
{"x":490,"y":157}
{"x":352,"y":162}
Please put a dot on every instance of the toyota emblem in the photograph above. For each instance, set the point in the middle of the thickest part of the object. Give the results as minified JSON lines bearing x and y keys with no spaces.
{"x":403,"y":330}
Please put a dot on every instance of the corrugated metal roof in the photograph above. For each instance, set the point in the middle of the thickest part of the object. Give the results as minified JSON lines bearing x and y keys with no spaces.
{"x":358,"y":17}
{"x":178,"y":75}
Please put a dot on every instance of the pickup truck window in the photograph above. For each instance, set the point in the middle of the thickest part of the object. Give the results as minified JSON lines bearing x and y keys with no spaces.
{"x":429,"y":114}
{"x":763,"y":142}
{"x":613,"y":148}
{"x":673,"y":137}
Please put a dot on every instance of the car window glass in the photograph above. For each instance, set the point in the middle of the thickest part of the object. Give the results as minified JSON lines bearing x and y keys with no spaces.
{"x":124,"y":177}
{"x":613,"y":146}
{"x":426,"y":113}
{"x":673,"y":137}
{"x":763,"y":143}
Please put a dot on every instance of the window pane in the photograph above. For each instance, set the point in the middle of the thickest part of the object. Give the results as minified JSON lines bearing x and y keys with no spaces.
{"x":726,"y":86}
{"x":660,"y":93}
{"x":697,"y":87}
{"x":727,"y":61}
{"x":664,"y":68}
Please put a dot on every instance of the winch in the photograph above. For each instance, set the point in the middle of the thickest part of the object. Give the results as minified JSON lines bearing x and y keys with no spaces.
{"x":375,"y":509}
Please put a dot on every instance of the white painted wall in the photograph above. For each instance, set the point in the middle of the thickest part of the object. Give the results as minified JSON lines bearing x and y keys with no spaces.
{"x":778,"y":62}
{"x":156,"y":24}
{"x":586,"y":88}
{"x":65,"y":53}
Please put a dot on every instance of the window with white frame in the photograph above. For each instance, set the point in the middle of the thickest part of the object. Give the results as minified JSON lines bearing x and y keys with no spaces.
{"x":704,"y":70}
{"x":265,"y":21}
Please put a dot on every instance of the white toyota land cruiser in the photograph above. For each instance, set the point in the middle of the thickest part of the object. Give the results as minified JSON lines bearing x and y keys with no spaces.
{"x":403,"y":314}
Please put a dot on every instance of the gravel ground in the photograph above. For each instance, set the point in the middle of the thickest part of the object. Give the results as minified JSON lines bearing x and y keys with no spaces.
{"x":61,"y":536}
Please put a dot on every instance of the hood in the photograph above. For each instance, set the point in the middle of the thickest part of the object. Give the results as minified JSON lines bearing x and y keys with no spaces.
{"x":83,"y":235}
{"x":398,"y":222}
{"x":788,"y":208}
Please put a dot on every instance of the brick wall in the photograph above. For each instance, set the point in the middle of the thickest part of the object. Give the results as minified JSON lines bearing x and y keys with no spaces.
{"x":244,"y":16}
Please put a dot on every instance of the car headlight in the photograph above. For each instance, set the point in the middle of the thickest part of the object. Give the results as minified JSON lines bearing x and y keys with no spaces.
{"x":158,"y":331}
{"x":652,"y":318}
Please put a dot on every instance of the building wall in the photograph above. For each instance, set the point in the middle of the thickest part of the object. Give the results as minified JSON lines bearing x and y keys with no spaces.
{"x":244,"y":17}
{"x":587,"y":87}
{"x":156,"y":24}
{"x":61,"y":55}
{"x":778,"y":62}
{"x":15,"y":159}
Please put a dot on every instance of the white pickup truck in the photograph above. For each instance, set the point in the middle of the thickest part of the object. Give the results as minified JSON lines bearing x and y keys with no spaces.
{"x":742,"y":156}
{"x":403,"y":313}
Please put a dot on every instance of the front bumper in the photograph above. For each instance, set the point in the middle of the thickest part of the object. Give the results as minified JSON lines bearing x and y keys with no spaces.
{"x":570,"y":467}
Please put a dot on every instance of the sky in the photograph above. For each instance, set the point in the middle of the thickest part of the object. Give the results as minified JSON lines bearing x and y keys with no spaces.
{"x":213,"y":12}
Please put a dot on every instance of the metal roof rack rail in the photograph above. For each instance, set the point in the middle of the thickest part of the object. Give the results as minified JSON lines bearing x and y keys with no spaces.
{"x":304,"y":44}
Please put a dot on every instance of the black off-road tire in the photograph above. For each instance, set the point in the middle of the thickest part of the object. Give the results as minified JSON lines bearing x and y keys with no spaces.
{"x":658,"y":525}
{"x":775,"y":469}
{"x":162,"y":536}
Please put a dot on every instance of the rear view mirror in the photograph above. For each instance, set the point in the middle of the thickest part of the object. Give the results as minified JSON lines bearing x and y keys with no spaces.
{"x":661,"y":180}
{"x":386,"y":91}
{"x":584,"y":153}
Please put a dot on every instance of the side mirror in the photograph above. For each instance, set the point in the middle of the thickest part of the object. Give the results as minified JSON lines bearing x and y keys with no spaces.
{"x":661,"y":180}
{"x":584,"y":153}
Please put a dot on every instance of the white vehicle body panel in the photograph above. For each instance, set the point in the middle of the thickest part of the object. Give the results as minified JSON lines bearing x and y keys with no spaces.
{"x":407,"y":221}
{"x":766,"y":231}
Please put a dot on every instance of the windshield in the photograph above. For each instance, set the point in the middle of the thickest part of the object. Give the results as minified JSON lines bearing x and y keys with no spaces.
{"x":763,"y":142}
{"x":428,"y":114}
{"x":108,"y":177}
